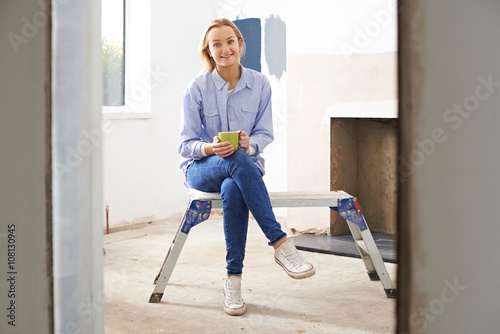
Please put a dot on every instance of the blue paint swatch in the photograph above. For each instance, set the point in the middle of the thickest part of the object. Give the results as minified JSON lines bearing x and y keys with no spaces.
{"x":275,"y":39}
{"x":252,"y":33}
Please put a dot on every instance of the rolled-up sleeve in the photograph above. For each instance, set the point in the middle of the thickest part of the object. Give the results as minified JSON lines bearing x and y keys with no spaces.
{"x":190,"y":135}
{"x":262,"y":132}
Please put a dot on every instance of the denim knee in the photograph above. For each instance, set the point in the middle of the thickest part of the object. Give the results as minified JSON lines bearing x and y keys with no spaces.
{"x":242,"y":159}
{"x":230,"y":193}
{"x":241,"y":156}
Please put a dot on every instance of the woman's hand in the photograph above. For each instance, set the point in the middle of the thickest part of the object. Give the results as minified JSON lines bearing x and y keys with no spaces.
{"x":223,"y":149}
{"x":244,"y":141}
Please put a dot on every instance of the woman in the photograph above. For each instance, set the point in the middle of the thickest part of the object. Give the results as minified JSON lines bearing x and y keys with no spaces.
{"x":230,"y":97}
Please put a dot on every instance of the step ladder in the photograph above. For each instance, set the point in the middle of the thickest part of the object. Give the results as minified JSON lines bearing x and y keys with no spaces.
{"x":201,"y":204}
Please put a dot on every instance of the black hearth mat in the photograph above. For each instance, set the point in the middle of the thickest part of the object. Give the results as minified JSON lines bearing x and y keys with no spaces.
{"x":344,"y":245}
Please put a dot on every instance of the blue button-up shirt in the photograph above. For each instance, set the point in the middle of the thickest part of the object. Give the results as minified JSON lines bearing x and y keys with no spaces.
{"x":206,"y":111}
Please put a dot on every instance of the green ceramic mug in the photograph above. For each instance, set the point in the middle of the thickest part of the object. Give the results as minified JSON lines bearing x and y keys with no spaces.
{"x":232,"y":137}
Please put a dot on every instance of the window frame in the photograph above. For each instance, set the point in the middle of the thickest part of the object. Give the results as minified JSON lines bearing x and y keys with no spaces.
{"x":137,"y":55}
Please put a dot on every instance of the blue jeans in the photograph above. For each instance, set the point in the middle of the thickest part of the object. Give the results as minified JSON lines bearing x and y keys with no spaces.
{"x":242,"y":188}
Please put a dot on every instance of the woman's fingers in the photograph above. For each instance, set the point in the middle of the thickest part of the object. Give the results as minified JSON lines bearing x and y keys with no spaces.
{"x":244,"y":140}
{"x":223,"y":149}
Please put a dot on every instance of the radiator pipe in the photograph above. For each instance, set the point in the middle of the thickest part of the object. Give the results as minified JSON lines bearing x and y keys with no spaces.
{"x":107,"y":219}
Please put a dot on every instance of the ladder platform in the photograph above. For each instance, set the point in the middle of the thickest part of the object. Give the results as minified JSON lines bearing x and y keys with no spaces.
{"x":284,"y":199}
{"x":201,"y":204}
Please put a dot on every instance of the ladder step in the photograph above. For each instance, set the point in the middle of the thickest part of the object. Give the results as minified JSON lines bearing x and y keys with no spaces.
{"x":361,"y":244}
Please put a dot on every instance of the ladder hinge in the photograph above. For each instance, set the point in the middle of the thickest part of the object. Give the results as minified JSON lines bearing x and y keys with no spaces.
{"x":198,"y":212}
{"x":350,"y":210}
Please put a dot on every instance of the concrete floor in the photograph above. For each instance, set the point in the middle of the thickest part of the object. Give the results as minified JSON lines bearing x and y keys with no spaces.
{"x":340,"y":298}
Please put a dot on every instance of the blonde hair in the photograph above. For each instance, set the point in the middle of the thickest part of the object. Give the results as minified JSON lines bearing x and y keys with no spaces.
{"x":206,"y":59}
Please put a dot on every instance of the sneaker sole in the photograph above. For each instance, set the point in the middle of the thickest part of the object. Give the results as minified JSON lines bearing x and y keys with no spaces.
{"x":234,"y":311}
{"x":301,"y":275}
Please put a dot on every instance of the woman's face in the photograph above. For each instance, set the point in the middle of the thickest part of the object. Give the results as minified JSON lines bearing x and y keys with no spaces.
{"x":223,"y":46}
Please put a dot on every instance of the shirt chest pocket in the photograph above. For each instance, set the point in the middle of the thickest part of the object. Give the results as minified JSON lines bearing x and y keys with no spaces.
{"x":211,"y":121}
{"x":248,"y":115}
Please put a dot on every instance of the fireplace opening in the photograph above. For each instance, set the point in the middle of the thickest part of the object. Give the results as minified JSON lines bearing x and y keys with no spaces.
{"x":364,"y":164}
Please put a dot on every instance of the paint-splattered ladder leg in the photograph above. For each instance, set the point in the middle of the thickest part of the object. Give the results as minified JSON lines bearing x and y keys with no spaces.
{"x":351,"y":210}
{"x":197,"y":212}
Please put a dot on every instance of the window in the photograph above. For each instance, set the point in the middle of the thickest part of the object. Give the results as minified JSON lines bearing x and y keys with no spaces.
{"x":113,"y":58}
{"x":128,"y":76}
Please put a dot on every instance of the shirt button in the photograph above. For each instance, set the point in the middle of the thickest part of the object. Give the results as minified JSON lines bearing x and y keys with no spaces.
{"x":231,"y":119}
{"x":230,"y":105}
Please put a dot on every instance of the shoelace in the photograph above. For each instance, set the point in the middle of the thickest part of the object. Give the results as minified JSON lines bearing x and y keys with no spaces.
{"x":233,"y":295}
{"x":295,"y":258}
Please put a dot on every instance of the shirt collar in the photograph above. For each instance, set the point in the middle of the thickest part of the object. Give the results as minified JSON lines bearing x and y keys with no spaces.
{"x":246,"y":79}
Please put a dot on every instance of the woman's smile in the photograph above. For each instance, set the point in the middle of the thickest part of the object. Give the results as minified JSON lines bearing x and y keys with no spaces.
{"x":224,"y":46}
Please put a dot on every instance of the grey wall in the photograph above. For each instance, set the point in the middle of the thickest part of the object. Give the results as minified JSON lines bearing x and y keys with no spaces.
{"x":25,"y":168}
{"x":50,"y":180}
{"x":450,"y":140}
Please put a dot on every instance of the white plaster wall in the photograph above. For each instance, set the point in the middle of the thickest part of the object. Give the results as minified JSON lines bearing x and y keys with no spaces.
{"x":337,"y":26}
{"x":330,"y":46}
{"x":141,"y":175}
{"x":457,"y":184}
{"x":76,"y":98}
{"x":142,"y":179}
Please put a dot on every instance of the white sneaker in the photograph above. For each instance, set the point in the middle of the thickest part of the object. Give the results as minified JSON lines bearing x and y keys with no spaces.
{"x":286,"y":255}
{"x":234,"y":304}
